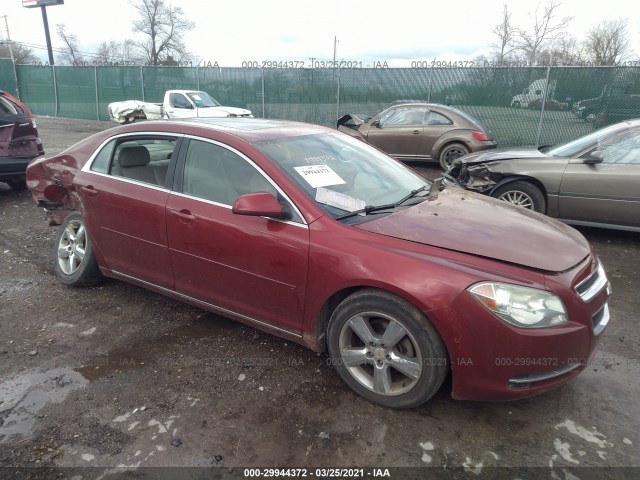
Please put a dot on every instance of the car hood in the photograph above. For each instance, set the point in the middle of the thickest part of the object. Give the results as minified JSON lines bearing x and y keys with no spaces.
{"x":471,"y":223}
{"x":222,"y":111}
{"x":502,"y":154}
{"x":353,"y":120}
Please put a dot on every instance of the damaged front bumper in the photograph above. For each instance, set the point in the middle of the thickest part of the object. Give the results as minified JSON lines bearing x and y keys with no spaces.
{"x":477,"y":177}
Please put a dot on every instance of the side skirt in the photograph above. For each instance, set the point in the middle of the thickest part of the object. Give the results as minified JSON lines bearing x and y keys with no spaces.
{"x":250,"y":321}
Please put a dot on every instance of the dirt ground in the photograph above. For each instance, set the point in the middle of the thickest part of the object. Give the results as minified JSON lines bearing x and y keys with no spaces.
{"x":109,"y":380}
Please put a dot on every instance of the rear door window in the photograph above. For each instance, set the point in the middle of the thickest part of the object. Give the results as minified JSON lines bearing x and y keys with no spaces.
{"x":139,"y":159}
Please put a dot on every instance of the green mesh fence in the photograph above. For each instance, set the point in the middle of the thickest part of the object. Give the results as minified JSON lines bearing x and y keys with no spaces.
{"x":7,"y":76}
{"x":506,"y":100}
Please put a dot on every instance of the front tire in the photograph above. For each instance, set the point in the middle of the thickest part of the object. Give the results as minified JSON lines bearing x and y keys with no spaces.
{"x":522,"y":193}
{"x":386,"y":350}
{"x":450,"y":152}
{"x":75,"y":263}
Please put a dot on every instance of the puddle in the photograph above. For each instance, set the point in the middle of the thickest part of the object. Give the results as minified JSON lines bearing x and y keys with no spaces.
{"x":25,"y":395}
{"x":151,"y":351}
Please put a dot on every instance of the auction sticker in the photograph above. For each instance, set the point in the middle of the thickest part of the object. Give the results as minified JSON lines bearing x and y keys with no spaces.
{"x":319,"y":175}
{"x":340,"y":200}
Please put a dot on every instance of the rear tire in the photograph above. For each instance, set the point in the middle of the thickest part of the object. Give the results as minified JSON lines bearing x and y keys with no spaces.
{"x":522,"y":193}
{"x":75,"y":262}
{"x":17,"y":185}
{"x":450,"y":152}
{"x":386,"y":350}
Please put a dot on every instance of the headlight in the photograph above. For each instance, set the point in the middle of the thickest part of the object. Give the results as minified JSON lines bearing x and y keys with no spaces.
{"x":521,"y":306}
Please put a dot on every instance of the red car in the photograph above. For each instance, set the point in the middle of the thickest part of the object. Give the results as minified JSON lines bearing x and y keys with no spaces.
{"x":319,"y":238}
{"x":19,"y":141}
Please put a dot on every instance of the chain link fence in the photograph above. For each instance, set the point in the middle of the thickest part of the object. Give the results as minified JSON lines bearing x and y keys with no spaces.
{"x":511,"y":102}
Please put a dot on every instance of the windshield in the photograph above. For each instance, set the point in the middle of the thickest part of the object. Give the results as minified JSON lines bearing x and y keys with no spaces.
{"x":340,"y":173}
{"x":574,"y":147}
{"x":202,"y":99}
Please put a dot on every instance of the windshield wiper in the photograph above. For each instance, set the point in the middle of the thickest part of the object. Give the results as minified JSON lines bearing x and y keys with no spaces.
{"x":375,"y":208}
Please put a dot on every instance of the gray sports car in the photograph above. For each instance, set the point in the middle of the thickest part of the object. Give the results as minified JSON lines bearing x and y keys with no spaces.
{"x":593,"y":180}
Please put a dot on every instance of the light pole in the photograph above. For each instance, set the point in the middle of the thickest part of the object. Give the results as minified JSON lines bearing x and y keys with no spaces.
{"x":43,"y":6}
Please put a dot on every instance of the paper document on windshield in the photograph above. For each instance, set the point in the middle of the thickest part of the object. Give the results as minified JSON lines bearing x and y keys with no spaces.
{"x":339,"y":200}
{"x":319,"y":175}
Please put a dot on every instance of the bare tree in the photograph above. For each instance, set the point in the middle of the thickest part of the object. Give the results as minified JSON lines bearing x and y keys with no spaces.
{"x":506,"y":33}
{"x":545,"y":28}
{"x":164,"y":27}
{"x":117,"y":52}
{"x":22,"y":54}
{"x":70,"y":53}
{"x":608,"y":42}
{"x":565,"y":50}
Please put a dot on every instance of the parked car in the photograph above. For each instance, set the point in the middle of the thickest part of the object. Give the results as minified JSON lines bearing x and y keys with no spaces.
{"x":593,"y":180}
{"x":319,"y":238}
{"x":617,"y":102}
{"x":420,"y":131}
{"x":176,"y":104}
{"x":19,"y":140}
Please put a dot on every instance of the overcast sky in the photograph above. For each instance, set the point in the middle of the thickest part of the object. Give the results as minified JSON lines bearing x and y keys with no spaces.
{"x":230,"y":32}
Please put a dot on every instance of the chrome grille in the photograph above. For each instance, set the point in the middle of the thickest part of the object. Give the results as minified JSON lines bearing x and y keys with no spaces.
{"x":600,"y":319}
{"x":591,"y":286}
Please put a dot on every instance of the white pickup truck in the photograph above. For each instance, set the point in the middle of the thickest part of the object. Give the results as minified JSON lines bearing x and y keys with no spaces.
{"x":177,"y":104}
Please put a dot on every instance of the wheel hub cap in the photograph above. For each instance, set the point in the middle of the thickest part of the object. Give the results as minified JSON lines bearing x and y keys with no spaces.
{"x":380,"y":353}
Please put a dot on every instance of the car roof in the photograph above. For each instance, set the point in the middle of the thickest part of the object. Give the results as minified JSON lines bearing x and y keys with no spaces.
{"x":632,"y":122}
{"x":250,"y":129}
{"x":419,"y":104}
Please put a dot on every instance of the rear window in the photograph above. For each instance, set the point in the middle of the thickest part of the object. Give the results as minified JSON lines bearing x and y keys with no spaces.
{"x":7,"y":107}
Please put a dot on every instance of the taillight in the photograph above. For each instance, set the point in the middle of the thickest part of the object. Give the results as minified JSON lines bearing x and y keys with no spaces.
{"x":481,"y":137}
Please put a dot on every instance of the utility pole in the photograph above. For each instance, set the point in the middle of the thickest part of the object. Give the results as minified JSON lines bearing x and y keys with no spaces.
{"x":13,"y":60}
{"x":335,"y":47}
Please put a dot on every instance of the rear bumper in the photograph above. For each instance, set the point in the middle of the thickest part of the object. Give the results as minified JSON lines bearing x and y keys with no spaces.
{"x":11,"y":167}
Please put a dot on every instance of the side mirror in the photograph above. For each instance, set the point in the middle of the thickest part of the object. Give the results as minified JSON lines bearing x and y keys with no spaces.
{"x":376,"y":123}
{"x":595,"y":157}
{"x":260,"y":204}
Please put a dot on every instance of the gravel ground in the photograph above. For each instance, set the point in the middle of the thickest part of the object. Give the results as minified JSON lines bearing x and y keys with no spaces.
{"x":115,"y":376}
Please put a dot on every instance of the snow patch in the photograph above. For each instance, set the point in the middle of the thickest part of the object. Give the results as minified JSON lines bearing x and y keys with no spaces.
{"x":564,"y":449}
{"x":122,"y":418}
{"x":132,"y":426}
{"x":592,"y":436}
{"x":468,"y":466}
{"x":91,"y":331}
{"x":156,"y":423}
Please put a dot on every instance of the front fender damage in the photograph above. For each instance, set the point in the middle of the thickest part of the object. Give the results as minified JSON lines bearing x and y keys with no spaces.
{"x":479,"y":177}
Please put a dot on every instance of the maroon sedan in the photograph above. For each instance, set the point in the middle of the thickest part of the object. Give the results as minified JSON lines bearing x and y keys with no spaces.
{"x":314,"y":236}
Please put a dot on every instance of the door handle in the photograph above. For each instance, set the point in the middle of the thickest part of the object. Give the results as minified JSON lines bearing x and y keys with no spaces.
{"x":184,"y":216}
{"x":89,"y":191}
{"x":416,"y":132}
